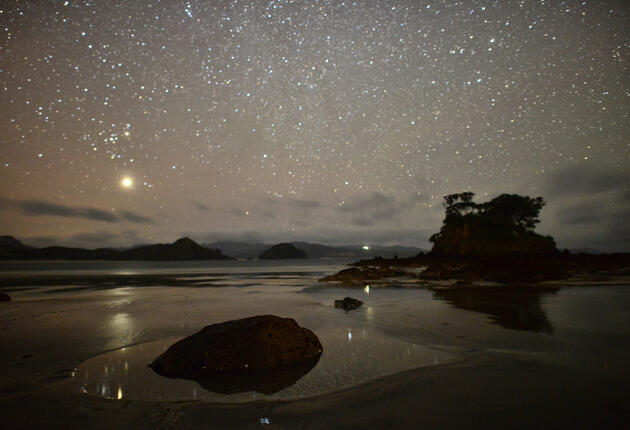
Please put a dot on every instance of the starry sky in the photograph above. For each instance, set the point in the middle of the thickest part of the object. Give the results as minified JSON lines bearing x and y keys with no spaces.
{"x":336,"y":122}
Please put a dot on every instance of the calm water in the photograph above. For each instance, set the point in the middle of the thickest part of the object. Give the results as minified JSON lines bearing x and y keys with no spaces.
{"x":135,"y":310}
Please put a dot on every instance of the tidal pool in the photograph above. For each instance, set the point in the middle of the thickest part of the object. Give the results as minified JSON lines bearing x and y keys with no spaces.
{"x":350,"y":357}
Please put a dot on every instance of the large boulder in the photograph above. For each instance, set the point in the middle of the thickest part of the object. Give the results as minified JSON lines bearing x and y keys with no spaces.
{"x":264,"y":353}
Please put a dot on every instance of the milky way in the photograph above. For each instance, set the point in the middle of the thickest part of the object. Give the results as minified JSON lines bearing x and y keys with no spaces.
{"x":330,"y":121}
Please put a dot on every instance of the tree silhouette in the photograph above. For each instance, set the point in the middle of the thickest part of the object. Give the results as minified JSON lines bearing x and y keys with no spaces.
{"x":506,"y":218}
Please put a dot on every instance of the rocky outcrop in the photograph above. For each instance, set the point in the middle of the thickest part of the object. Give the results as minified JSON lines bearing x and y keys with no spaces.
{"x":282,"y":251}
{"x":464,"y":240}
{"x":354,"y":274}
{"x":263,"y":353}
{"x":510,"y":268}
{"x":348,"y":303}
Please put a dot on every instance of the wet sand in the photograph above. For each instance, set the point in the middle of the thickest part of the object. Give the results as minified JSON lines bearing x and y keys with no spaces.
{"x":481,"y":391}
{"x":502,"y":378}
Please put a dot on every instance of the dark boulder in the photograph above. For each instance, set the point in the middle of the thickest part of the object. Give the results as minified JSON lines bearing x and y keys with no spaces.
{"x":348,"y":303}
{"x":263,"y":353}
{"x":5,"y":297}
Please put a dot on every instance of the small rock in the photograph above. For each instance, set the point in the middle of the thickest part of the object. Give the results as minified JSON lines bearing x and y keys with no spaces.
{"x":5,"y":297}
{"x":348,"y":303}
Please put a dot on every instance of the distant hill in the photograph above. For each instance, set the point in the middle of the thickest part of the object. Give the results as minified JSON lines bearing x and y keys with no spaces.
{"x":239,"y":249}
{"x":315,"y":250}
{"x":282,"y":251}
{"x":182,"y":249}
{"x":9,"y":245}
{"x":585,"y":251}
{"x":12,"y":242}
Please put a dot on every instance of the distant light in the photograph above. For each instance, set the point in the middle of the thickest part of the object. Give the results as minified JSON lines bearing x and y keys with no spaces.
{"x":367,"y":289}
{"x":366,"y":247}
{"x":126,"y":182}
{"x":120,"y":394}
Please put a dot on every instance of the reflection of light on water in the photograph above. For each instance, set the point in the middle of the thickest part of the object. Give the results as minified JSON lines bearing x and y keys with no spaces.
{"x":265,"y":420}
{"x":347,"y":361}
{"x":121,"y":322}
{"x":367,"y":289}
{"x":369,"y":313}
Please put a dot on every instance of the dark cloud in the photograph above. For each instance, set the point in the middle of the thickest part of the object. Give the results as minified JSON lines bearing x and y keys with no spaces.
{"x":582,"y":214}
{"x":371,"y":208}
{"x":200,"y":206}
{"x":303,"y":206}
{"x":93,"y":239}
{"x":39,"y":207}
{"x":134,"y":217}
{"x":328,"y":236}
{"x":44,"y":208}
{"x":585,"y":179}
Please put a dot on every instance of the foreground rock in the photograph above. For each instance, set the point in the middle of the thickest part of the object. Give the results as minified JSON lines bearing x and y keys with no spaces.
{"x":348,"y":303}
{"x":263,"y":353}
{"x":5,"y":297}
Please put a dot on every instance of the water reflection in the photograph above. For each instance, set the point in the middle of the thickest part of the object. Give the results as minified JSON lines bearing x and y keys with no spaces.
{"x":265,"y":383}
{"x":351,"y":356}
{"x":517,"y":308}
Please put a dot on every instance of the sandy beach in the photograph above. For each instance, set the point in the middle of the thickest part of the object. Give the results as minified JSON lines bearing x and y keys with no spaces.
{"x":543,"y":359}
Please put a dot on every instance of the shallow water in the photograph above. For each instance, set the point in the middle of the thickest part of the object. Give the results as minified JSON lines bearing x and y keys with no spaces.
{"x":349,"y":358}
{"x":83,"y":310}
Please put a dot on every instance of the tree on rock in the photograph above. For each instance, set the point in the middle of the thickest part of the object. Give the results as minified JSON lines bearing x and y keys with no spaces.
{"x":504,"y":224}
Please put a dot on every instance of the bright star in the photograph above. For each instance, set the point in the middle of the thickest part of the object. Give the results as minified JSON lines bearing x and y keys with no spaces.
{"x":126,"y":182}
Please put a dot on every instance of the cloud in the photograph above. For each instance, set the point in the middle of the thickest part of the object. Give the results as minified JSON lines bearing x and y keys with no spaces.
{"x":134,"y":217}
{"x":371,"y":208}
{"x":585,"y":179}
{"x":301,"y":205}
{"x":92,"y":239}
{"x":44,"y":208}
{"x":39,"y":207}
{"x":328,"y":236}
{"x":200,"y":206}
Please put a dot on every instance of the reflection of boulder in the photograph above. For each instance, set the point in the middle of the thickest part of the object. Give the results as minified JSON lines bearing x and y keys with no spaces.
{"x":517,"y":308}
{"x":266,"y":383}
{"x":348,"y":303}
{"x":5,"y":297}
{"x":263,"y":353}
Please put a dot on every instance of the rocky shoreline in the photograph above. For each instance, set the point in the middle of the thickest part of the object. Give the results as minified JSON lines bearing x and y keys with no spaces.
{"x":515,"y":268}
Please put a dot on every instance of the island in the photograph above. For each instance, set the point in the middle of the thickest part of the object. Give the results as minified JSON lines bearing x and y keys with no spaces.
{"x":282,"y":251}
{"x":493,"y":241}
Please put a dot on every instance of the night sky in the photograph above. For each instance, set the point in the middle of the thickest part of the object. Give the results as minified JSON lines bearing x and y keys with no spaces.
{"x":336,"y":122}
